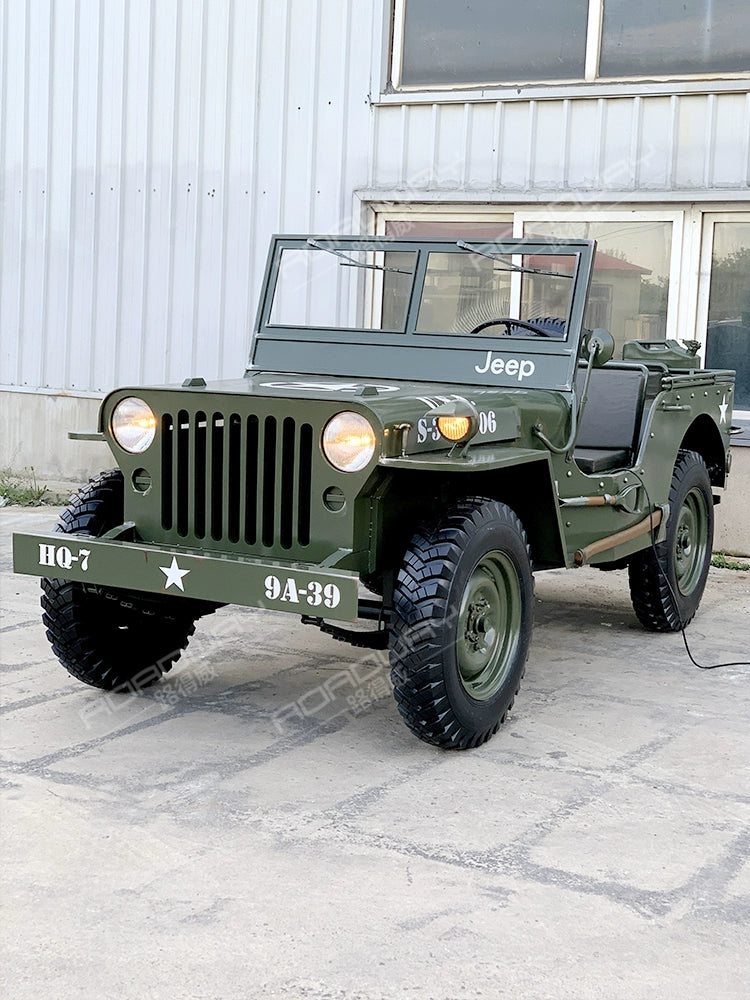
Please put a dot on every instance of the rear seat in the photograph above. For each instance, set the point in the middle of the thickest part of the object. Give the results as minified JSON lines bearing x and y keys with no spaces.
{"x":611,"y":423}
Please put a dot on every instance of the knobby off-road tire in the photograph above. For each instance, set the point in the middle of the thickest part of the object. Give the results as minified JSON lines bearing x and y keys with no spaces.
{"x":685,"y":553}
{"x":461,"y":624}
{"x":107,"y":637}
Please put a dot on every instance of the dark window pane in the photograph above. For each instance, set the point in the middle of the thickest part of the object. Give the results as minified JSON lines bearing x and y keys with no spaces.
{"x":641,"y":37}
{"x":728,"y":334}
{"x":493,"y":41}
{"x":495,"y":230}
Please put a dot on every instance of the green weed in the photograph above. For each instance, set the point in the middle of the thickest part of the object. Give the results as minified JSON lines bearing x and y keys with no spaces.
{"x":20,"y":488}
{"x":722,"y":561}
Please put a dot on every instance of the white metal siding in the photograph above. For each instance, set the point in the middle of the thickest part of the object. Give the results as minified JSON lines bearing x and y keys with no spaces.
{"x":694,"y":144}
{"x":148,"y":148}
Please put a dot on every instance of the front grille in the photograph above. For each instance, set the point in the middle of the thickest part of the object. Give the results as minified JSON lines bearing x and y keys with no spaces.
{"x":237,"y":478}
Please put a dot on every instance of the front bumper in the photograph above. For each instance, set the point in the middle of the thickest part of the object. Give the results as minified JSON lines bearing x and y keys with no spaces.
{"x":299,"y":588}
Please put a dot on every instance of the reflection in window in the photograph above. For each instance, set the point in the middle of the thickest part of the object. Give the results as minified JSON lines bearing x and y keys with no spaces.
{"x":500,"y":228}
{"x":484,"y":42}
{"x":463,"y":291}
{"x":359,"y":290}
{"x":630,"y":283}
{"x":674,"y":37}
{"x":728,"y":334}
{"x":487,"y":40}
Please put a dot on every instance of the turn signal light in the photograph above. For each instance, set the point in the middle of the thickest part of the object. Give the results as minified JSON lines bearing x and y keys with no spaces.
{"x":454,"y":428}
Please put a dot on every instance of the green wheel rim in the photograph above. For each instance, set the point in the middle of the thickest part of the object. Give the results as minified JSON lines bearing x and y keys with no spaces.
{"x":691,"y":542}
{"x":489,"y":625}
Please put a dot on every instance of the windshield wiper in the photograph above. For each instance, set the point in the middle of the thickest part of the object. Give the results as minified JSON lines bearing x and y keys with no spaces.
{"x":350,"y":262}
{"x":508,"y":266}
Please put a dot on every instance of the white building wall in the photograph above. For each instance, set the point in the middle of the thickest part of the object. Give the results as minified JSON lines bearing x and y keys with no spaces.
{"x":566,"y":149}
{"x":148,"y":149}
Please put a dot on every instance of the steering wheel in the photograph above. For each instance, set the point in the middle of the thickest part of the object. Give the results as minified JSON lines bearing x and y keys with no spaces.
{"x":509,"y":322}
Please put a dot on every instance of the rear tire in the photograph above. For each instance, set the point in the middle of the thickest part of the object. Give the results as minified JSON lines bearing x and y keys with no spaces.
{"x":108,"y":637}
{"x":666,"y":597}
{"x":461,"y":626}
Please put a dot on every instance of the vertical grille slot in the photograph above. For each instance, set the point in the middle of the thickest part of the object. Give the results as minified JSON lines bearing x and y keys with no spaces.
{"x":167,"y":445}
{"x":216,"y":481}
{"x":199,"y":492}
{"x":236,"y":487}
{"x":182,"y":447}
{"x":269,"y":481}
{"x":305,"y":484}
{"x":251,"y":493}
{"x":288,"y":472}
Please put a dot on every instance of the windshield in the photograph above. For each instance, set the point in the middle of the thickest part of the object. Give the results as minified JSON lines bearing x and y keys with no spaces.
{"x":507,"y":311}
{"x":475,"y":293}
{"x":476,"y":290}
{"x":319,"y":285}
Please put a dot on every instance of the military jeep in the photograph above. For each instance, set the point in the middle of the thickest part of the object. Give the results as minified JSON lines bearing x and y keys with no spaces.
{"x":423,"y":422}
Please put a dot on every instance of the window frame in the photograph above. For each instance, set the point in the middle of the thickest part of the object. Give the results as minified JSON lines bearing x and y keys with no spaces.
{"x":682,"y":260}
{"x":690,"y":258}
{"x":676,"y":218}
{"x":412,"y":355}
{"x":590,"y":78}
{"x":704,"y":291}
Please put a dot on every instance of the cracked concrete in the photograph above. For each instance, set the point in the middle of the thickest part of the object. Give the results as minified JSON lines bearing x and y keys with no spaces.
{"x":262,"y":825}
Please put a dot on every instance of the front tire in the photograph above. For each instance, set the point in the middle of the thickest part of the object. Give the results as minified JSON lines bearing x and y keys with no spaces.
{"x":666,"y":587}
{"x":108,"y":637}
{"x":461,"y":626}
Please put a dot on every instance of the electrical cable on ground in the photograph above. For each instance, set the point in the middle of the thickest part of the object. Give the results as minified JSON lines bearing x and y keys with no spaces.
{"x":663,"y":572}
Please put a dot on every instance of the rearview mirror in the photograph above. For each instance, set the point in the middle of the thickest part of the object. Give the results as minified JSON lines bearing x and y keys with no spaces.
{"x":600,"y":343}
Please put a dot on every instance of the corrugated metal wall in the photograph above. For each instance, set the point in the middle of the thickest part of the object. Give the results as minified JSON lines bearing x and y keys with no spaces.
{"x":695,"y":144}
{"x":148,"y":148}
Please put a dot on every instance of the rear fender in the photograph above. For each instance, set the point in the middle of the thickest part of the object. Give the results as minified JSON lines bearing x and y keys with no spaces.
{"x":705,"y":437}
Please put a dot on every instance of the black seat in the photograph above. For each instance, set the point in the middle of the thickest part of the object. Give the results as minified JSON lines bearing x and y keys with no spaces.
{"x":611,"y":423}
{"x":553,"y":326}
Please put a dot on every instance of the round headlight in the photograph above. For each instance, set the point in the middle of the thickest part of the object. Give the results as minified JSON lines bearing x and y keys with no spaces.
{"x":348,"y":441}
{"x":133,"y":424}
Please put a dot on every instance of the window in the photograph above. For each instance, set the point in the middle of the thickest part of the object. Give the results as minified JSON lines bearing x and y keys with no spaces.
{"x":644,"y":258}
{"x":728,"y":320}
{"x":674,"y":37}
{"x":630,"y":285}
{"x":426,"y":224}
{"x":445,"y":43}
{"x":459,"y":43}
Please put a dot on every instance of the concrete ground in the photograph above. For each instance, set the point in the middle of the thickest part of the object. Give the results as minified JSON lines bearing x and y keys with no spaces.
{"x":241,"y":833}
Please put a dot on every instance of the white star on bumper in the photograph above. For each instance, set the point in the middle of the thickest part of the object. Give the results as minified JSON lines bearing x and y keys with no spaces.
{"x":723,"y":407}
{"x":174,"y":575}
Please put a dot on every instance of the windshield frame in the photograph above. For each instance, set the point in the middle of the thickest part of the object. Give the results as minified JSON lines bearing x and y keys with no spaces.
{"x":407,"y":352}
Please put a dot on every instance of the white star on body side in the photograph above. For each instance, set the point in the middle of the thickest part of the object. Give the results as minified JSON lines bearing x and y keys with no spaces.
{"x":174,"y":575}
{"x":723,"y":407}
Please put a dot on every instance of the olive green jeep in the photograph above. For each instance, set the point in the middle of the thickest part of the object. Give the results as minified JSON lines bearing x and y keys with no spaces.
{"x":423,"y":423}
